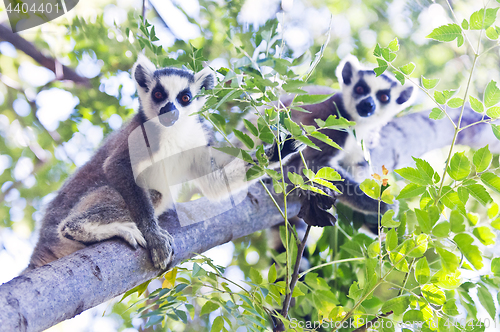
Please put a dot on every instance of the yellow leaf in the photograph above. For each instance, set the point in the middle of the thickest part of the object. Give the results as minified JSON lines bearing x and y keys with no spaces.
{"x":170,"y":276}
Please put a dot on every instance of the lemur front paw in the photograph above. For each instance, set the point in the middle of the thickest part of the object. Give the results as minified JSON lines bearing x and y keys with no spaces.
{"x":160,"y":245}
{"x":314,"y":207}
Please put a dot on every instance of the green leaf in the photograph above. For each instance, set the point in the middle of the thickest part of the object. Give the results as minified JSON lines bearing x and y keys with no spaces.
{"x":322,"y":137}
{"x":465,"y":24}
{"x":387,"y":220}
{"x":463,"y":194}
{"x":398,"y":305}
{"x":496,"y":224}
{"x":439,"y":97}
{"x":449,"y":261}
{"x":394,"y":45}
{"x":459,"y":167}
{"x":422,"y":271}
{"x":332,"y":122}
{"x":255,"y":276}
{"x":493,"y":112}
{"x":496,"y":130}
{"x":250,"y":127}
{"x":292,"y":127}
{"x":433,"y":294}
{"x":492,"y":33}
{"x":457,"y":223}
{"x":495,"y":266}
{"x":411,"y":190}
{"x":424,"y":220}
{"x":412,"y":175}
{"x":328,"y":173}
{"x":271,"y":276}
{"x":436,"y":114}
{"x":455,"y":102}
{"x":419,"y":245}
{"x":479,"y":193}
{"x":482,"y":159}
{"x":476,"y":104}
{"x":208,"y":307}
{"x":400,"y":77}
{"x":295,"y":178}
{"x":308,"y":142}
{"x":450,"y":308}
{"x":470,"y":251}
{"x":413,"y":316}
{"x":382,"y":66}
{"x":442,"y":229}
{"x":388,"y":55}
{"x":374,"y":249}
{"x":483,"y":20}
{"x":308,"y":99}
{"x":218,"y":324}
{"x":486,"y":300}
{"x":429,"y":83}
{"x":425,"y":169}
{"x":491,"y":94}
{"x":371,"y":188}
{"x":391,"y":240}
{"x":244,"y":138}
{"x":485,"y":235}
{"x":493,"y":210}
{"x":446,"y":33}
{"x":408,"y":68}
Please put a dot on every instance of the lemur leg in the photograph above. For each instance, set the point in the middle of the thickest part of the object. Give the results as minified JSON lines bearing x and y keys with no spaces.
{"x":101,"y":215}
{"x":119,"y":173}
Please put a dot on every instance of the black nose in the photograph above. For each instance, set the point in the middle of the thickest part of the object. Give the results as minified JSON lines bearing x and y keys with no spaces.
{"x":366,"y":107}
{"x":167,"y":108}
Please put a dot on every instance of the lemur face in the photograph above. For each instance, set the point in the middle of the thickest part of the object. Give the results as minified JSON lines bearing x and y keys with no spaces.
{"x":169,"y":93}
{"x":371,"y":99}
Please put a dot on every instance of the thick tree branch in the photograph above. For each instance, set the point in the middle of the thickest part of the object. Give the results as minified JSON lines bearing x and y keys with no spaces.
{"x":62,"y":72}
{"x":64,"y":288}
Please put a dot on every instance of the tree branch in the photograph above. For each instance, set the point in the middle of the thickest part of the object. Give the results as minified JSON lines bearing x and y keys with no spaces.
{"x":64,"y":288}
{"x":62,"y":72}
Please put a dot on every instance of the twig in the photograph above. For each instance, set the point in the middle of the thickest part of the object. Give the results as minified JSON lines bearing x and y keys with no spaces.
{"x":295,"y":276}
{"x":50,"y":63}
{"x":144,"y":11}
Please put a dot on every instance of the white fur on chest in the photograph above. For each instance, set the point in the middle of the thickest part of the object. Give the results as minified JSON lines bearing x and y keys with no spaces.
{"x":167,"y":160}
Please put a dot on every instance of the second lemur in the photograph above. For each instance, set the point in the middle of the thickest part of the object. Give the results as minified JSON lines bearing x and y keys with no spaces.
{"x":368,"y":100}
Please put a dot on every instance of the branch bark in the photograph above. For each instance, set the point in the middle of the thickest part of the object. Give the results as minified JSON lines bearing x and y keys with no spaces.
{"x":63,"y":289}
{"x":62,"y":72}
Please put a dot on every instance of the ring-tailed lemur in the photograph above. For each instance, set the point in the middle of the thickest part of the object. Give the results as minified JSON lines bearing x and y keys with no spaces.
{"x":368,"y":100}
{"x":131,"y":178}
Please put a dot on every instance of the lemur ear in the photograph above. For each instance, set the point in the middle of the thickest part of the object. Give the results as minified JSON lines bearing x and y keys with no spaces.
{"x":142,"y":72}
{"x":205,"y":79}
{"x":406,"y":96}
{"x":347,"y":68}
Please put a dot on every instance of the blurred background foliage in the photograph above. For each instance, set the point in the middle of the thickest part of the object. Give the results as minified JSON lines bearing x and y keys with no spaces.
{"x":50,"y":127}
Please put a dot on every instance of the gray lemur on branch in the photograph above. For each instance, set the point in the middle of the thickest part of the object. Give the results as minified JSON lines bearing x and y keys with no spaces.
{"x":371,"y":102}
{"x":137,"y":173}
